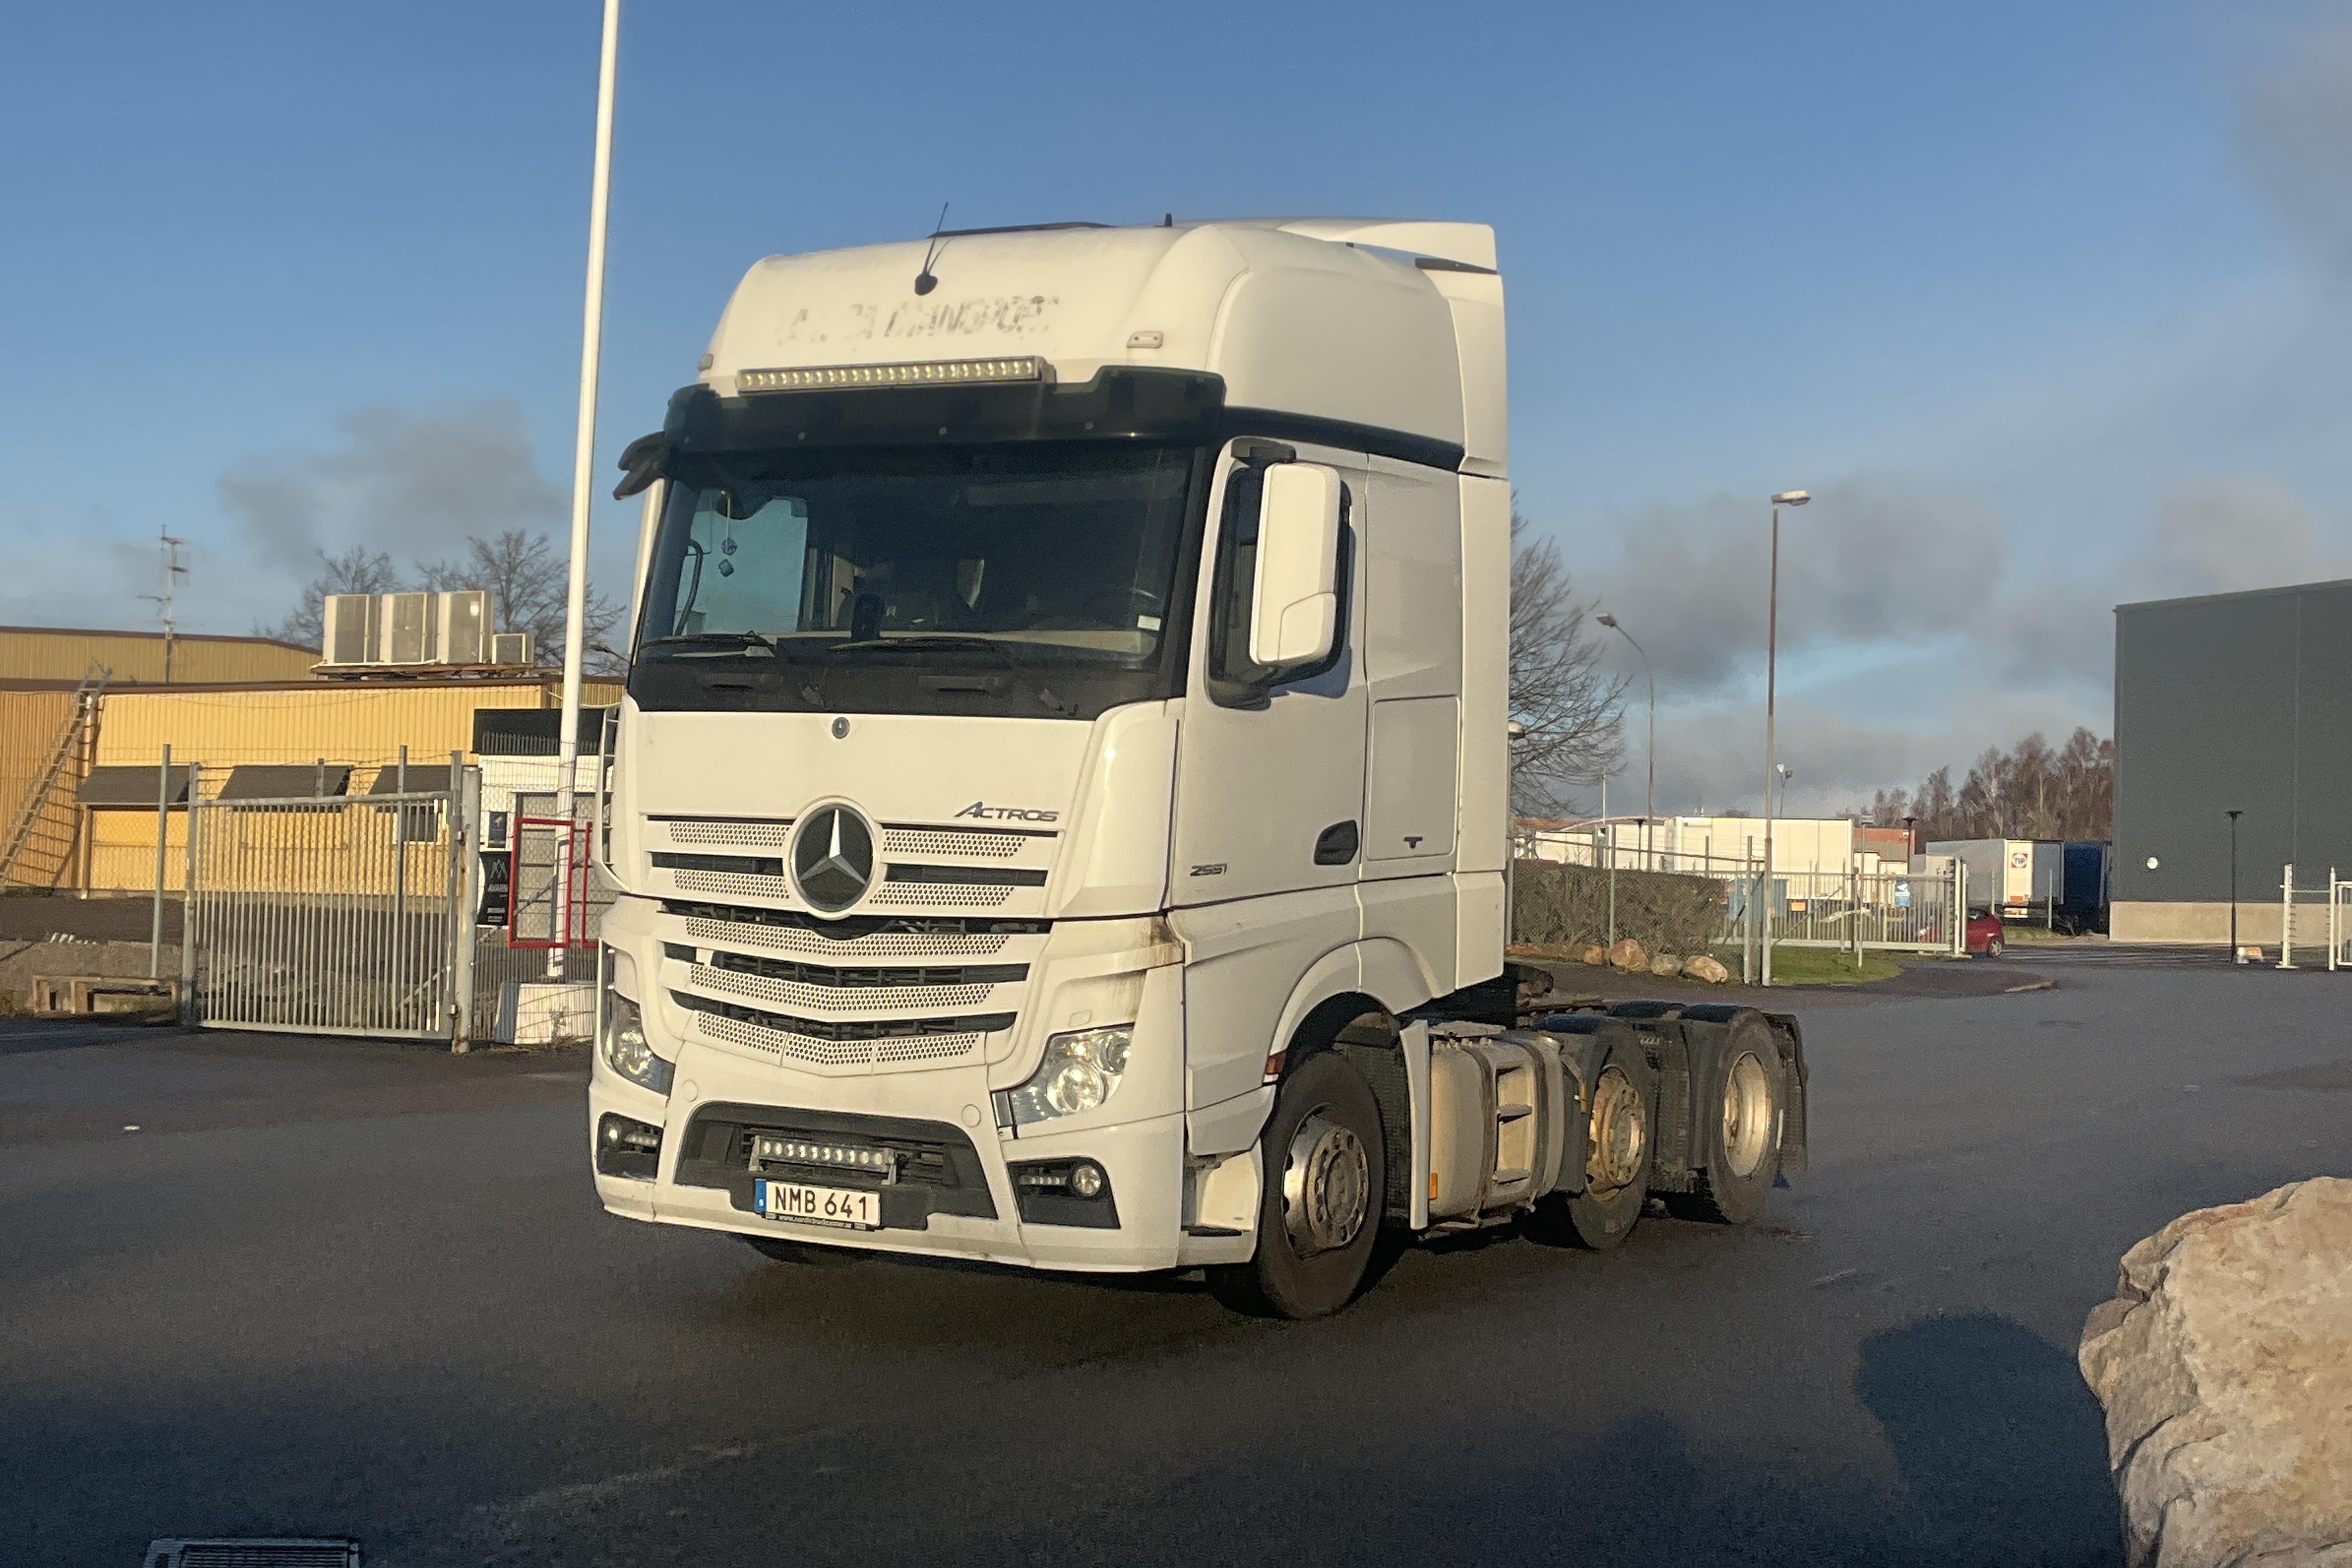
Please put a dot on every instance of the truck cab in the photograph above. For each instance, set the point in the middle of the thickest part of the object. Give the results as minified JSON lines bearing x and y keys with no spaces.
{"x":1066,"y":715}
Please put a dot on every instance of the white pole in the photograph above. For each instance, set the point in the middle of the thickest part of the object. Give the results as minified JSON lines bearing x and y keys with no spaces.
{"x":2286,"y":917}
{"x":584,"y":452}
{"x":1771,"y":664}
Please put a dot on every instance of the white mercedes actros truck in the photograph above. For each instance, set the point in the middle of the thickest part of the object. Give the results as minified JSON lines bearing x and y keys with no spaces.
{"x":1059,"y":806}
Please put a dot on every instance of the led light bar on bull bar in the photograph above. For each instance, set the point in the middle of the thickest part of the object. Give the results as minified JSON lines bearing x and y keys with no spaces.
{"x":925,"y":373}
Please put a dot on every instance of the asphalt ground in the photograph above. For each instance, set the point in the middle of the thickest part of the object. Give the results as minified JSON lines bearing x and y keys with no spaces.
{"x":342,"y":1289}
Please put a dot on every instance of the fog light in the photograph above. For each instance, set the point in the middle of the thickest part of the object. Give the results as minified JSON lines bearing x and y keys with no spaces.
{"x":627,"y":1147}
{"x":1086,"y":1180}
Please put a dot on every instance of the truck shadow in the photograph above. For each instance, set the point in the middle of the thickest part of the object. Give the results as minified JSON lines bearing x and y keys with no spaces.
{"x":1999,"y":1442}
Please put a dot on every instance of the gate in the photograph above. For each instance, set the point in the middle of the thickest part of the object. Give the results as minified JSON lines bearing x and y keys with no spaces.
{"x":349,"y":915}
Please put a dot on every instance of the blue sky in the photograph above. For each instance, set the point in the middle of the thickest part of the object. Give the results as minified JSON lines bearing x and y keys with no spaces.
{"x":2050,"y":306}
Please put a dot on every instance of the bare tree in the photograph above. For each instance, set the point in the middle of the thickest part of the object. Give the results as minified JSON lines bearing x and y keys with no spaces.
{"x":527,"y":584}
{"x":358,"y":570}
{"x":1569,"y":705}
{"x":2030,"y":790}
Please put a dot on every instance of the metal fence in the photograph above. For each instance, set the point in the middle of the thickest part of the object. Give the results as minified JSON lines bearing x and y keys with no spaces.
{"x":333,"y":916}
{"x":1861,"y":906}
{"x":2339,"y":921}
{"x":1901,"y":911}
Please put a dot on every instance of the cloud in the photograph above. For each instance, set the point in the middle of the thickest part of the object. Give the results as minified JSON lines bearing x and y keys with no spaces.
{"x":1873,"y":559}
{"x":2294,"y":136}
{"x":2217,"y":536}
{"x":410,"y":483}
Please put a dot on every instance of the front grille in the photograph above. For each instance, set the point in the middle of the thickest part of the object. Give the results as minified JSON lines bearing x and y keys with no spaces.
{"x":967,"y":843}
{"x":861,"y":979}
{"x":752,"y":831}
{"x":849,"y":1028}
{"x":934,"y":1168}
{"x":888,"y":939}
{"x":869,"y":1043}
{"x":741,"y":865}
{"x":279,"y":1551}
{"x":896,"y":895}
{"x":732,"y":882}
{"x":832,"y":998}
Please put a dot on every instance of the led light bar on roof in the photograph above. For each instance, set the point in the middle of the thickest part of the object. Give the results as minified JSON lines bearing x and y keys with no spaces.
{"x":925,"y":373}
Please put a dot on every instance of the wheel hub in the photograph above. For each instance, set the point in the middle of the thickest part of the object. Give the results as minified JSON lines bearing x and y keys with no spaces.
{"x":1746,"y":1115}
{"x":1326,"y":1186}
{"x":1618,"y":1139}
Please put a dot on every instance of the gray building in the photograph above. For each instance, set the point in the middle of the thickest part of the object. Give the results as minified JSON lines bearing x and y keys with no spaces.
{"x":2231,"y":701}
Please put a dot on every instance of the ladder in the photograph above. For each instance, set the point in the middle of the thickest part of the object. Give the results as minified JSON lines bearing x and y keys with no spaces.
{"x":34,"y":808}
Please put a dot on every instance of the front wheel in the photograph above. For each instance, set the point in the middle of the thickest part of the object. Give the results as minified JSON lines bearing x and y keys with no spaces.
{"x":1325,"y":1173}
{"x":1992,"y":948}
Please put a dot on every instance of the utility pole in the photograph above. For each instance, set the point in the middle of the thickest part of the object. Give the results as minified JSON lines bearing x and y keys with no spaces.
{"x":173,"y":572}
{"x":2233,"y":816}
{"x":1772,"y":669}
{"x":1649,"y":746}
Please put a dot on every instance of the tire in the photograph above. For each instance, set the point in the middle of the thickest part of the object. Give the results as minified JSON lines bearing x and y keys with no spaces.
{"x":1742,"y":1139}
{"x":776,"y":1249}
{"x":1326,"y":1183}
{"x":1619,"y":1137}
{"x":1993,"y":948}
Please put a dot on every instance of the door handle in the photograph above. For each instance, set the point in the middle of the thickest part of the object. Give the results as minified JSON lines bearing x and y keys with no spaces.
{"x":1335,"y":844}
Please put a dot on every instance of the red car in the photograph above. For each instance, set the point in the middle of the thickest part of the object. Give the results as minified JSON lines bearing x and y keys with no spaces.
{"x":1986,"y":936}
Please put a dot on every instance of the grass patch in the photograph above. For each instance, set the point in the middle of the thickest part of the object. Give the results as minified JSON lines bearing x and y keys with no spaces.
{"x":1816,"y":965}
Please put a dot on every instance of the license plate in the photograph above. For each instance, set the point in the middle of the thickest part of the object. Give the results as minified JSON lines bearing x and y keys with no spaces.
{"x":850,"y":1208}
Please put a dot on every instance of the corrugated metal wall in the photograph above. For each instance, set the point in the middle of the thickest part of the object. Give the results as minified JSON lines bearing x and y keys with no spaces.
{"x":360,"y":724}
{"x":29,"y":725}
{"x":35,"y":653}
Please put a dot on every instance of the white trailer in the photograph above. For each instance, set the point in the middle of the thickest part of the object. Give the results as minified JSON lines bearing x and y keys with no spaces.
{"x":2018,"y":878}
{"x":1060,"y":794}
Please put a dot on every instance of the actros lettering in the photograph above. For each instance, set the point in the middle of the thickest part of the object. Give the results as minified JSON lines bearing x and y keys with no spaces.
{"x":987,"y":812}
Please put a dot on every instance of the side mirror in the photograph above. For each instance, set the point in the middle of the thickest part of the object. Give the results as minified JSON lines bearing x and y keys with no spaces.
{"x":1295,"y":602}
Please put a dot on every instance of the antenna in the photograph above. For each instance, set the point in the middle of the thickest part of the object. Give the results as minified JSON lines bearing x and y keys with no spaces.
{"x":173,"y":572}
{"x":924,"y":281}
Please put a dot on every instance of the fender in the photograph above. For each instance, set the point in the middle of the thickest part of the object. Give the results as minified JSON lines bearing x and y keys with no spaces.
{"x":1379,"y":968}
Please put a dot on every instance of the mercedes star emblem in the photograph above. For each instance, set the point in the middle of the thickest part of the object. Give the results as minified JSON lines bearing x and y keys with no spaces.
{"x":833,"y":859}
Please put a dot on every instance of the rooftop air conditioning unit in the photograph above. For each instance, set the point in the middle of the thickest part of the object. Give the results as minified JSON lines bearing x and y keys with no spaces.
{"x":462,"y":626}
{"x":352,"y":628}
{"x":511,"y":647}
{"x":406,"y":635}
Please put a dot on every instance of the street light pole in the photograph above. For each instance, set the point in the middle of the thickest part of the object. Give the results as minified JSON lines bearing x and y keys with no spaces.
{"x":1772,"y":672}
{"x":1649,"y":746}
{"x":584,"y":450}
{"x":2234,"y":884}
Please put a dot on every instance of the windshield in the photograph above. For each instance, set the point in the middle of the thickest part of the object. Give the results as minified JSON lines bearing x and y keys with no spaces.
{"x":1059,"y":559}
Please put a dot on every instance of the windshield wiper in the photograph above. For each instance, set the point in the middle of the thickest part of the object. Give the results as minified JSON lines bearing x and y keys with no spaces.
{"x":740,"y":640}
{"x":1040,"y":694}
{"x":923,"y":639}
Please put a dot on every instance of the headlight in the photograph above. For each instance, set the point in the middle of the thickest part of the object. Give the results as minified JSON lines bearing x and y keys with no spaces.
{"x":1080,"y":1071}
{"x":626,"y":1049}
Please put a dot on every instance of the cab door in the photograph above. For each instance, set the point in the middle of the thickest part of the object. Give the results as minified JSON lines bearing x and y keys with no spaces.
{"x":1269,"y":833}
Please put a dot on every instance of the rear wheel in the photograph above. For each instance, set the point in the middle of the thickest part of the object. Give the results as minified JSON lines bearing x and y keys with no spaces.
{"x":776,"y":1249}
{"x":1616,"y":1167}
{"x":1743,"y":1159}
{"x":1325,"y":1172}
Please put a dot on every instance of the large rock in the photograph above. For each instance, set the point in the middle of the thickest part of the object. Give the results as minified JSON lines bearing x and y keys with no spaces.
{"x":1596,"y":954}
{"x":1666,"y":966}
{"x":1706,"y":967}
{"x":2225,"y":1365}
{"x":1629,"y":955}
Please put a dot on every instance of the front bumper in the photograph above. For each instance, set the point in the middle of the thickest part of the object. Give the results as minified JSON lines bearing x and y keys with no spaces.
{"x":952,"y":1191}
